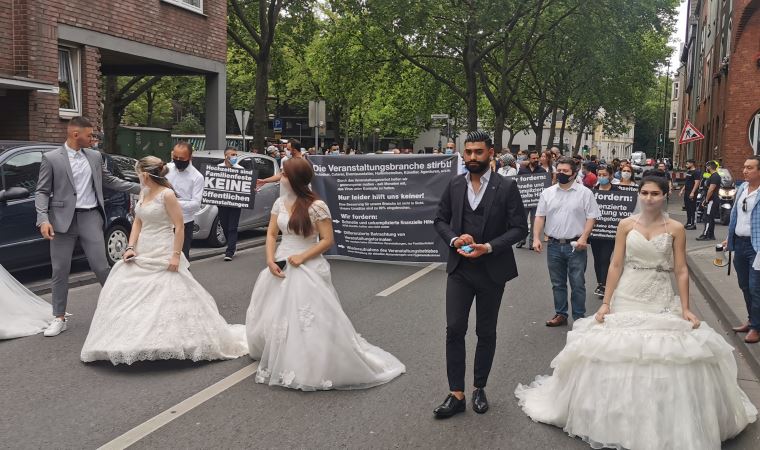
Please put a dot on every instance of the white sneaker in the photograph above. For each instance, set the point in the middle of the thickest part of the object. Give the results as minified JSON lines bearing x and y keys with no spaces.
{"x":56,"y":327}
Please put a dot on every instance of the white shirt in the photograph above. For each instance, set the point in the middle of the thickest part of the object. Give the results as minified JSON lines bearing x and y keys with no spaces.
{"x":80,"y":168}
{"x":188,"y":184}
{"x":566,"y":211}
{"x":743,"y":224}
{"x":234,"y":166}
{"x":475,"y":197}
{"x":507,"y":171}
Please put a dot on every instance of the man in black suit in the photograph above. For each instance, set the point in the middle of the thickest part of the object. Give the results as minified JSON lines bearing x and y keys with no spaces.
{"x":480,"y":217}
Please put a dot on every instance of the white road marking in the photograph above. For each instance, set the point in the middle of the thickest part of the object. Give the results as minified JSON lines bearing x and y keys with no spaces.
{"x":408,"y":280}
{"x":153,"y":424}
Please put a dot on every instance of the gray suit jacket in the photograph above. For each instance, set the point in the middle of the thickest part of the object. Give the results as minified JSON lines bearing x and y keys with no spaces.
{"x":56,"y":197}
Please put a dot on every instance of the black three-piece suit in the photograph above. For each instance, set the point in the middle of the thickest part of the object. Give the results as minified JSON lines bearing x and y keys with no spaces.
{"x":499,"y":220}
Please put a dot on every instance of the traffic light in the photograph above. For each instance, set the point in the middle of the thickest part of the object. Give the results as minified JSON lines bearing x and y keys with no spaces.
{"x":585,"y":149}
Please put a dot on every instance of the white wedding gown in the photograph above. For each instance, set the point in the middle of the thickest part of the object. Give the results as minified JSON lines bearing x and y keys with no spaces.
{"x":297,"y":329}
{"x":644,"y":378}
{"x":21,"y":312}
{"x":146,"y":312}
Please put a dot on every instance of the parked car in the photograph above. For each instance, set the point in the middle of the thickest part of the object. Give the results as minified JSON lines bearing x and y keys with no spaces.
{"x":638,"y":158}
{"x":21,"y":245}
{"x":207,"y":223}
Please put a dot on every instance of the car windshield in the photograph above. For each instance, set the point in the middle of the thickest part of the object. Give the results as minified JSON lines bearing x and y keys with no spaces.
{"x":726,"y":180}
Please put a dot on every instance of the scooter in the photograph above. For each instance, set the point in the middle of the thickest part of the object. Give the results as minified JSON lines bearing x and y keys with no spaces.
{"x":727,"y":195}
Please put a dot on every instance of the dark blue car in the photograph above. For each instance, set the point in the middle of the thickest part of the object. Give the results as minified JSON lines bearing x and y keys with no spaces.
{"x":21,"y":245}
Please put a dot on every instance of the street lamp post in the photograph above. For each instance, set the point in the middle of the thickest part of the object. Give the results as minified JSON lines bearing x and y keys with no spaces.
{"x":299,"y":131}
{"x":374,"y":147}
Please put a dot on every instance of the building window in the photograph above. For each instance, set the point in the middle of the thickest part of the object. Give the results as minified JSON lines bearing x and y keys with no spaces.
{"x":69,"y":86}
{"x":754,"y":133}
{"x":676,"y":89}
{"x":673,"y":120}
{"x":192,"y":5}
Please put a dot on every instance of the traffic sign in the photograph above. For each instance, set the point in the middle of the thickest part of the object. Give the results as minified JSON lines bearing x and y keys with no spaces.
{"x":690,"y":134}
{"x":277,"y":127}
{"x":242,"y":119}
{"x":439,"y":116}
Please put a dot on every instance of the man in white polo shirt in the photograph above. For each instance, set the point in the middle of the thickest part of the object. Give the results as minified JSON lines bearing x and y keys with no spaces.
{"x":566,"y":212}
{"x":188,"y":184}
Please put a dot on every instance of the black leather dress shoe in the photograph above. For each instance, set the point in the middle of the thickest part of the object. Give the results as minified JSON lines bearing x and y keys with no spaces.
{"x":479,"y":401}
{"x":690,"y":227}
{"x":450,"y":407}
{"x":706,"y":238}
{"x":520,"y":244}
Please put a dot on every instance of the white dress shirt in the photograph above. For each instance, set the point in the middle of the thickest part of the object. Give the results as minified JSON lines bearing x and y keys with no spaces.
{"x":80,"y":168}
{"x":567,"y":210}
{"x":188,"y":184}
{"x":475,"y":197}
{"x":743,"y":224}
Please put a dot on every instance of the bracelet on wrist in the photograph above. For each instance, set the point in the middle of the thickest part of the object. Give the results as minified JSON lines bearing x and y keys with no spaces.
{"x":129,"y":247}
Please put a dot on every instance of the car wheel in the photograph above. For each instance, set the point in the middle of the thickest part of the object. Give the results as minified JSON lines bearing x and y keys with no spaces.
{"x":216,"y":236}
{"x":117,"y":239}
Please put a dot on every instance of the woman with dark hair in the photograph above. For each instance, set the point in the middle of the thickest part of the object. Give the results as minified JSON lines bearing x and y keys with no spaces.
{"x":602,"y":248}
{"x":296,"y":327}
{"x":151,"y":307}
{"x":644,"y":373}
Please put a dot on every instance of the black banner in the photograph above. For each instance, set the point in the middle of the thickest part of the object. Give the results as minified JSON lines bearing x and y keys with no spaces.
{"x":615,"y":205}
{"x":383,"y":206}
{"x":227,"y":186}
{"x":630,"y":188}
{"x":531,"y":186}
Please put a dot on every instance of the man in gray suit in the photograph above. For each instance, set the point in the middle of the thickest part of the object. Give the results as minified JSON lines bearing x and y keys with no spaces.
{"x":69,"y":203}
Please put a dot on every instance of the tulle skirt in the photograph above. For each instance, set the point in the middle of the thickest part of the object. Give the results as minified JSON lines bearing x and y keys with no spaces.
{"x":642,"y":381}
{"x":302,"y":339}
{"x":21,"y":312}
{"x":147,"y":313}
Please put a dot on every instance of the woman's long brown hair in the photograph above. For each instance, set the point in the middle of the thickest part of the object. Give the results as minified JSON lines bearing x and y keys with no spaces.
{"x":299,"y":173}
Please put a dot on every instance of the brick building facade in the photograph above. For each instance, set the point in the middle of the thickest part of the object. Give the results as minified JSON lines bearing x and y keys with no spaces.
{"x":721,"y":80}
{"x":55,"y":51}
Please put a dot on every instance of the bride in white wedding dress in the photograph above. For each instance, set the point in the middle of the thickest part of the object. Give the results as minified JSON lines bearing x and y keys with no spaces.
{"x":151,"y":307}
{"x":644,"y":373}
{"x":296,"y":327}
{"x":21,"y":312}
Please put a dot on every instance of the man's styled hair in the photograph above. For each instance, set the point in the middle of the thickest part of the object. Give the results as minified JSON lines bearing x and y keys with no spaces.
{"x":295,"y":143}
{"x":479,"y":136}
{"x":185,"y":144}
{"x":755,"y":158}
{"x":530,"y":152}
{"x":230,"y":148}
{"x":690,"y":160}
{"x":80,"y":122}
{"x":569,"y":161}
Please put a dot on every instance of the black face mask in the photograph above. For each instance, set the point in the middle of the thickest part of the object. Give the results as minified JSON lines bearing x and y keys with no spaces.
{"x":564,"y":178}
{"x":180,"y":165}
{"x":477,"y":167}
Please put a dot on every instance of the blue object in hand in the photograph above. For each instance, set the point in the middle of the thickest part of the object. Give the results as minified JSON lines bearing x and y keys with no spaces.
{"x":467,"y":248}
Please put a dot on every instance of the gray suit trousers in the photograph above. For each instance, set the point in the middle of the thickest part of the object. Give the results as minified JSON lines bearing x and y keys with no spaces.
{"x":88,"y":228}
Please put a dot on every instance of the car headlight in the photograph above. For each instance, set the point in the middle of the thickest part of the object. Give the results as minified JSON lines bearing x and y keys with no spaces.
{"x":727,"y":192}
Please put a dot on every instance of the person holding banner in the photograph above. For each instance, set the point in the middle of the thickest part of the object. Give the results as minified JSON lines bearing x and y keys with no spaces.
{"x":188,"y":184}
{"x":229,"y":217}
{"x":568,"y":210}
{"x":295,"y":324}
{"x":532,"y":168}
{"x":480,"y":216}
{"x":602,"y":248}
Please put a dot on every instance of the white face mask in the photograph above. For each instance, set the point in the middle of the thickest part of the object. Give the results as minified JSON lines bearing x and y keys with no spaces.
{"x":625,"y":175}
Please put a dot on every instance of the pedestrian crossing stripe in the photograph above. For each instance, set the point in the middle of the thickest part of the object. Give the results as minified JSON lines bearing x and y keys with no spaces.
{"x":690,"y":133}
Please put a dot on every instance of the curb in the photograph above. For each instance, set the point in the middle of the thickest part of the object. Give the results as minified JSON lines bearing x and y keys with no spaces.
{"x":751,"y":352}
{"x":87,"y":278}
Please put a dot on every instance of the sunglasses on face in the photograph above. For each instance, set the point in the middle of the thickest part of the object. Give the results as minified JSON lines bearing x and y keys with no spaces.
{"x":744,"y":205}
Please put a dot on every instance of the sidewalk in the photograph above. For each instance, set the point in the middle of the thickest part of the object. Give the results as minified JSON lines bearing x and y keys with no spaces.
{"x":83,"y":278}
{"x":719,"y":289}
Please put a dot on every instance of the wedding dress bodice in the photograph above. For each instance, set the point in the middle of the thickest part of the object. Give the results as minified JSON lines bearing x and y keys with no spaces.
{"x":291,"y":242}
{"x":645,"y":284}
{"x":156,"y":239}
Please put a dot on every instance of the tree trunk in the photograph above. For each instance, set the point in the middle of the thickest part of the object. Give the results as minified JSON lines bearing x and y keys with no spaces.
{"x":150,"y":103}
{"x":472,"y":85}
{"x":511,"y":139}
{"x":562,"y":130}
{"x":498,"y":130}
{"x":260,"y":118}
{"x":579,"y":138}
{"x":111,"y":118}
{"x":552,"y":129}
{"x":539,"y":132}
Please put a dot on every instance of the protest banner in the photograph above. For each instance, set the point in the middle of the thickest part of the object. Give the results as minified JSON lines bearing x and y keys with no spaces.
{"x":383,"y":206}
{"x":615,"y":205}
{"x":227,"y":186}
{"x":531,"y":186}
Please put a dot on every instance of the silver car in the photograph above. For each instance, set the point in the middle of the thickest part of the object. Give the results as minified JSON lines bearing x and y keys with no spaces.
{"x":207,"y":223}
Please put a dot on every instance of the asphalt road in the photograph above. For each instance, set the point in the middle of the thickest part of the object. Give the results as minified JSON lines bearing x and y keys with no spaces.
{"x":50,"y":399}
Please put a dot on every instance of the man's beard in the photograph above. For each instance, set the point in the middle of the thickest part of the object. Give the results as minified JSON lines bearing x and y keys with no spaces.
{"x":477,"y":166}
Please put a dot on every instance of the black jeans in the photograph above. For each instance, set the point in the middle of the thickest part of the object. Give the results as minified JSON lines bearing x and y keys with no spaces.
{"x":471,"y":281}
{"x":602,"y":250}
{"x":229,"y":218}
{"x":188,"y":239}
{"x":709,"y":218}
{"x":691,"y":209}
